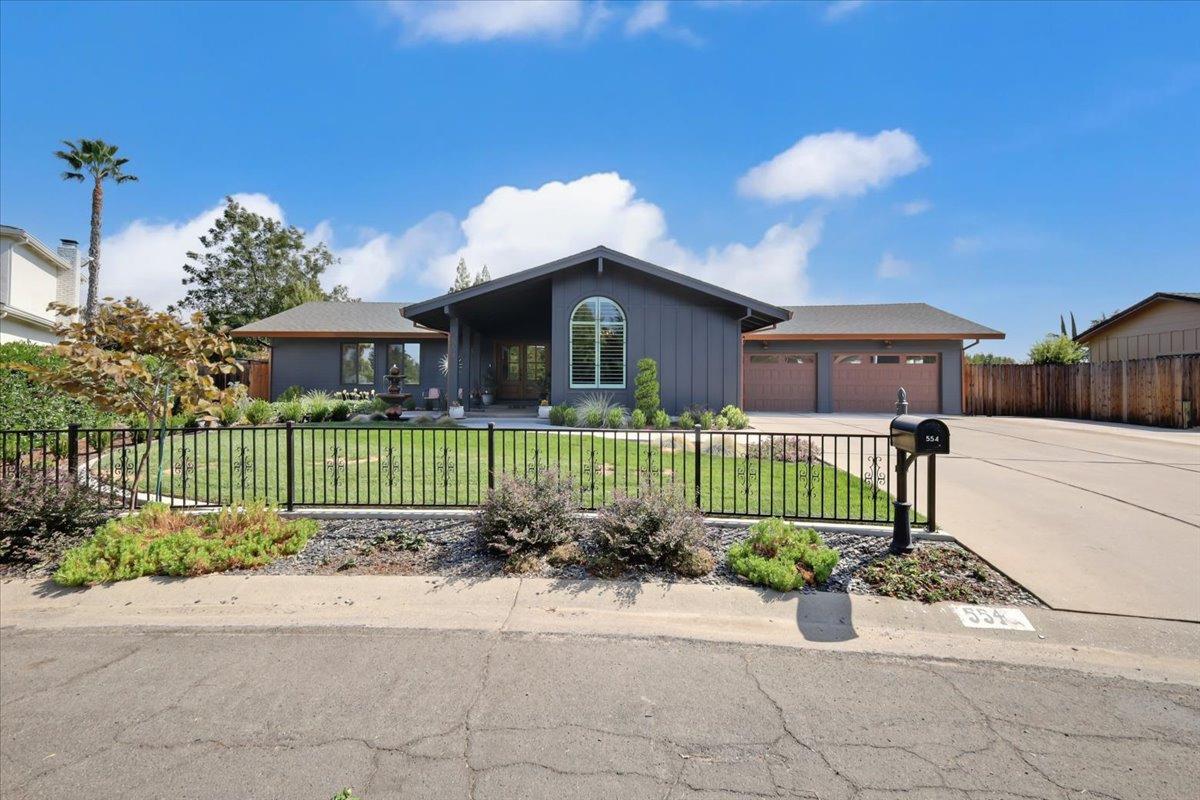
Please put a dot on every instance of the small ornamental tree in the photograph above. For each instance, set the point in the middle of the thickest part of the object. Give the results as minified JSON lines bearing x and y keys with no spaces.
{"x":1058,"y":350}
{"x":645,"y":387}
{"x":130,"y":360}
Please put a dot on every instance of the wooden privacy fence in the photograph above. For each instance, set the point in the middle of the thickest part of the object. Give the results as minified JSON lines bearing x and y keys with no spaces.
{"x":1161,"y":391}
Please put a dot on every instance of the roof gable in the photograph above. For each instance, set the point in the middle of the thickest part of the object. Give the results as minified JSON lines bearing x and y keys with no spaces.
{"x":759,"y":314}
{"x":1141,"y":305}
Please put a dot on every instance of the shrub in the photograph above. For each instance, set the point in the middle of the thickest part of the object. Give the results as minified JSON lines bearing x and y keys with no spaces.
{"x":645,"y":387}
{"x":29,"y":404}
{"x":593,"y":408}
{"x":339,"y":411}
{"x":423,"y":420}
{"x":792,"y":449}
{"x":34,"y":511}
{"x":289,"y":411}
{"x":409,"y":404}
{"x":229,"y":414}
{"x":719,"y":423}
{"x":1058,"y":349}
{"x":446,"y":422}
{"x":783,"y":557}
{"x":558,"y":415}
{"x":928,"y":574}
{"x":656,"y":527}
{"x":661,"y":420}
{"x":161,"y":541}
{"x":566,"y":554}
{"x":290,"y":393}
{"x":260,"y":412}
{"x":615,"y":417}
{"x":735,"y":418}
{"x":317,"y":405}
{"x":695,"y":563}
{"x":706,"y":419}
{"x":524,"y":516}
{"x":637,"y":419}
{"x":686,"y":420}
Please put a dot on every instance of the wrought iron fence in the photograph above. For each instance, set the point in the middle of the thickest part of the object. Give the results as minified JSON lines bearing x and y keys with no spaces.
{"x":836,"y":477}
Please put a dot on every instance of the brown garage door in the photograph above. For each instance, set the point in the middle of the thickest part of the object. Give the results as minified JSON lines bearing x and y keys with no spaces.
{"x":780,"y":381}
{"x":868,"y":382}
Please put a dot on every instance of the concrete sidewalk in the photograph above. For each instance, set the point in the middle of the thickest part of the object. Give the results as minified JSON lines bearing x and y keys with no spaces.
{"x":1144,"y":649}
{"x":1089,"y":516}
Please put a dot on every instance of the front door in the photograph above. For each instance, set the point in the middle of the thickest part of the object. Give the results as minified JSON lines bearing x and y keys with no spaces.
{"x":521,"y":370}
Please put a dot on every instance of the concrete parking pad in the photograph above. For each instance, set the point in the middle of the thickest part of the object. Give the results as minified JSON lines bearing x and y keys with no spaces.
{"x":1089,"y":516}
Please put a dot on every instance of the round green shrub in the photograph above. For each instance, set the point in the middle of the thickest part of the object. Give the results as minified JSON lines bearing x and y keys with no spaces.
{"x":735,"y":418}
{"x":289,"y":411}
{"x":593,"y":418}
{"x":783,"y":557}
{"x":706,"y":419}
{"x":339,"y":411}
{"x":259,"y":412}
{"x":686,"y":420}
{"x":558,"y":415}
{"x":637,"y":419}
{"x":615,"y":417}
{"x":661,"y":420}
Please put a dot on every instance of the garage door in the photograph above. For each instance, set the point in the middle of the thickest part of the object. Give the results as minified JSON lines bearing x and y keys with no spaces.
{"x":868,"y":382}
{"x":780,"y":381}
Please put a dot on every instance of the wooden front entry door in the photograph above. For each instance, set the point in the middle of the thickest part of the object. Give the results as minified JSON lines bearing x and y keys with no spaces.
{"x":521,"y":370}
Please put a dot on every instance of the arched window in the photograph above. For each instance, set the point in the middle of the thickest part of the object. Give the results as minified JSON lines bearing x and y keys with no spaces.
{"x":597,"y":345}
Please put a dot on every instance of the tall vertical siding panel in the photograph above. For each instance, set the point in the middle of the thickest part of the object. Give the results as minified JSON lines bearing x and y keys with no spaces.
{"x":1159,"y":391}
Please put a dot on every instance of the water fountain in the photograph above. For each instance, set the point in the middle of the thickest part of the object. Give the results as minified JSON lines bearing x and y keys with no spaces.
{"x":394,"y":397}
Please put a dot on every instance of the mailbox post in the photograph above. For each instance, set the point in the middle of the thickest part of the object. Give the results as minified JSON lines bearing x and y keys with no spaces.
{"x":912,"y":436}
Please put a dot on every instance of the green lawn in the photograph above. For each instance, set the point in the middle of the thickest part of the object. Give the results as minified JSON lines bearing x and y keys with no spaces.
{"x":387,"y":465}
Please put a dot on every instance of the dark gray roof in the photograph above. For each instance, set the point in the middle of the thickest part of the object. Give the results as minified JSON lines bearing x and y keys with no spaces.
{"x":323,"y":318}
{"x":913,"y":320}
{"x":1138,"y":306}
{"x":758,"y":313}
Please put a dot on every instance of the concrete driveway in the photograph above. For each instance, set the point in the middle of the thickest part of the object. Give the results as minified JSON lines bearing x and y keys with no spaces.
{"x":1089,"y":516}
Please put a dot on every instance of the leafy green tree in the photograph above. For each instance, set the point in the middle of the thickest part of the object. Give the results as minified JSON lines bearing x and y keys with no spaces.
{"x":1058,"y":349}
{"x":97,"y":159}
{"x":646,"y":388}
{"x":132,"y":361}
{"x":251,"y":267}
{"x":989,"y":358}
{"x":462,"y":277}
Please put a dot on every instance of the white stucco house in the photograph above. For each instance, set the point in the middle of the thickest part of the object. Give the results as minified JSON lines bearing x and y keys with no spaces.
{"x":31,"y":277}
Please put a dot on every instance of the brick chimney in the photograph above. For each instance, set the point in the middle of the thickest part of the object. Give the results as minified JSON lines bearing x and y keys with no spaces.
{"x":68,"y":281}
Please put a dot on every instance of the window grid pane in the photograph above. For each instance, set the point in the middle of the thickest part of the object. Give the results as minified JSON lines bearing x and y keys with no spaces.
{"x":597,"y":345}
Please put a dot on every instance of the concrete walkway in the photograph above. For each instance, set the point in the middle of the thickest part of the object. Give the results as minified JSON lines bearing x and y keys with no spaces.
{"x":411,"y":688}
{"x":1089,"y":516}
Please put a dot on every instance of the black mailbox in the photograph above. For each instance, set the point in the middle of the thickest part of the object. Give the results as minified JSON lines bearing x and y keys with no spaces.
{"x":921,"y":436}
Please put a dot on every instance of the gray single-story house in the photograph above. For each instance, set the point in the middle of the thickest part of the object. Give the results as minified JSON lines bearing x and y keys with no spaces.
{"x":580,"y":324}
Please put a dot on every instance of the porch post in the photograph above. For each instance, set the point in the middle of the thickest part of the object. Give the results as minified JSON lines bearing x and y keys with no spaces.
{"x":452,"y":343}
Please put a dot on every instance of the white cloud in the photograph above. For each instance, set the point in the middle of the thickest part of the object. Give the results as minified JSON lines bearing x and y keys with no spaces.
{"x":892,"y":267}
{"x":145,"y":258}
{"x":647,"y":16}
{"x":840,"y":9}
{"x":834,"y":164}
{"x":464,"y":20}
{"x":509,"y":230}
{"x":915,"y":207}
{"x":515,"y":228}
{"x":372,"y":266}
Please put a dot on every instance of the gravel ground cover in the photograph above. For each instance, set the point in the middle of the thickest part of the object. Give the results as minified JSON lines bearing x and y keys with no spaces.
{"x":450,"y":547}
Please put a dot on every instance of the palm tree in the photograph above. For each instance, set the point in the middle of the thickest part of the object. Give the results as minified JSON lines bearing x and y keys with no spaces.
{"x":98,"y":159}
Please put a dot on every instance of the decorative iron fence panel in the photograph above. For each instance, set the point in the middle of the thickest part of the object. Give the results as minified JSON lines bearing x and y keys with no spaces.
{"x":833,"y":477}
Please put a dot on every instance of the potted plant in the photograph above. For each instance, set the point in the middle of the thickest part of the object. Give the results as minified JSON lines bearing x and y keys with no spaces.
{"x":544,"y":410}
{"x":456,"y":410}
{"x":489,"y":387}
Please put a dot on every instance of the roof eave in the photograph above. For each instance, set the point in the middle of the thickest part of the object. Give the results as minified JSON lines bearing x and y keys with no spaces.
{"x":1133,"y":309}
{"x":898,"y":337}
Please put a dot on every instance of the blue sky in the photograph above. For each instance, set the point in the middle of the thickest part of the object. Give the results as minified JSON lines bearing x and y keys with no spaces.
{"x":1005,"y":162}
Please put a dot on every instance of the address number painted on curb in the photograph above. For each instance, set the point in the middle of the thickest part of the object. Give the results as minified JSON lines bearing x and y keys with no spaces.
{"x":1010,"y":619}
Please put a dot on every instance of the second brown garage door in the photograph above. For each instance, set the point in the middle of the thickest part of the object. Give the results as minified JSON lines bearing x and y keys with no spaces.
{"x":866,"y":382}
{"x":780,"y":381}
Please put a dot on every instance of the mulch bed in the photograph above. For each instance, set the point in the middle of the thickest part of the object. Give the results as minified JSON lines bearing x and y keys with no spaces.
{"x":451,"y":547}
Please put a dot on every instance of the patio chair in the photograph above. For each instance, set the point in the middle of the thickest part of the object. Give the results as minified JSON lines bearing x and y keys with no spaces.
{"x":433,"y":399}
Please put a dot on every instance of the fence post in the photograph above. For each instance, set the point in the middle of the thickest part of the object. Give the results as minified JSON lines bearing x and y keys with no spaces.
{"x":931,"y":494}
{"x":73,"y":449}
{"x":491,"y":456}
{"x":291,"y":463}
{"x":696,"y":478}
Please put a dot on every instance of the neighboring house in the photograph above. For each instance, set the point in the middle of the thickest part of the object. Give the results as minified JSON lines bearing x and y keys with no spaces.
{"x":32,"y":276}
{"x":580,"y":324}
{"x":1164,"y":324}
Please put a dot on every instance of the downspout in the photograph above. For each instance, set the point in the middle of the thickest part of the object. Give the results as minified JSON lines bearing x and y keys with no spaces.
{"x":741,"y":360}
{"x":962,"y":374}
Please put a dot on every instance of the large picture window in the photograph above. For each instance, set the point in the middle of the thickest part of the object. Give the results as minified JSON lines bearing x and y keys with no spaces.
{"x":597,"y":345}
{"x":407,"y":357}
{"x":358,"y":364}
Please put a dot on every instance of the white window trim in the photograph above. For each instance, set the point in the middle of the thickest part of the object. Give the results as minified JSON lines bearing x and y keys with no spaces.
{"x":595,"y":325}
